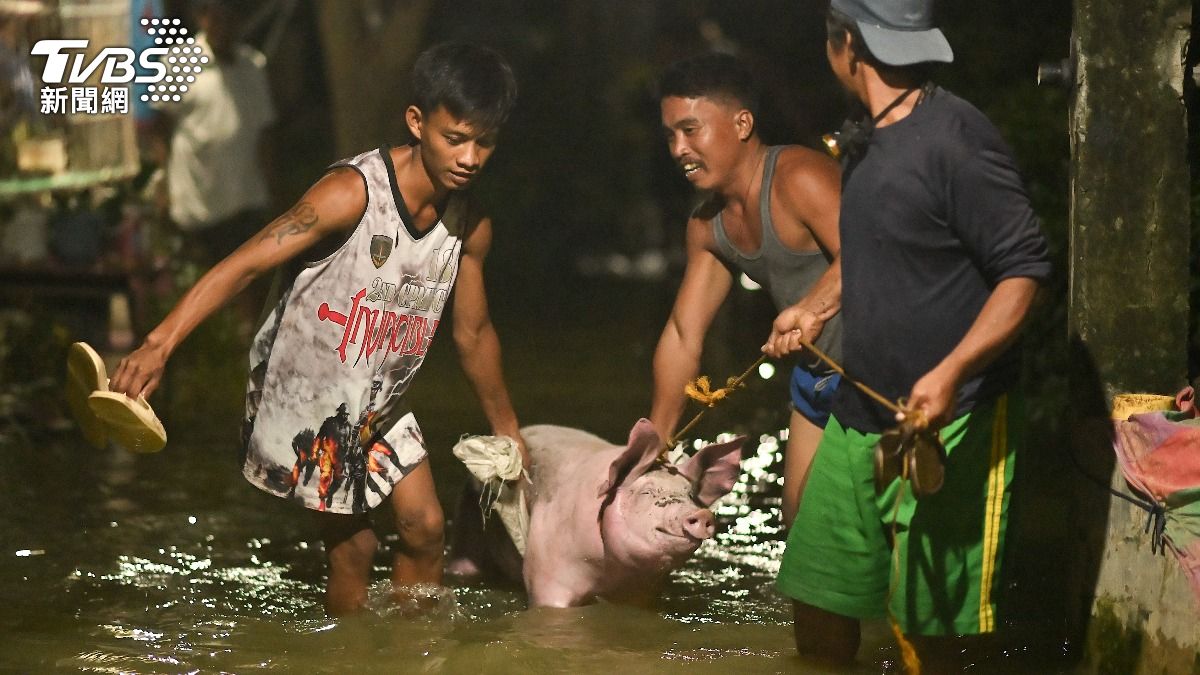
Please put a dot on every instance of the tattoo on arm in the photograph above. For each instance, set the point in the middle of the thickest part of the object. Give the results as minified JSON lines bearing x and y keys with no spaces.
{"x":300,"y":219}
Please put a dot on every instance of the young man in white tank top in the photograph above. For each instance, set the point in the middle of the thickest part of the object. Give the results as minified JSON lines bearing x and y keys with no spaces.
{"x":783,"y":234}
{"x":326,"y":423}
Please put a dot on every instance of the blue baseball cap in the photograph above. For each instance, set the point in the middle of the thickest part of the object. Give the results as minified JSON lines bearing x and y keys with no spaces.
{"x":898,"y":32}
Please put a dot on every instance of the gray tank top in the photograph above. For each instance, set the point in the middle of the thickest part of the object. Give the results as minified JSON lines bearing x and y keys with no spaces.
{"x":785,"y":274}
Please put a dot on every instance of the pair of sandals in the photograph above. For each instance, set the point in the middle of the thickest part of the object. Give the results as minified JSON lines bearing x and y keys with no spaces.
{"x":915,"y":454}
{"x":105,"y":415}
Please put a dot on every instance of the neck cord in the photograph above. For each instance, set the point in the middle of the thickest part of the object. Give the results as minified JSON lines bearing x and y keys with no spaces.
{"x":892,"y":106}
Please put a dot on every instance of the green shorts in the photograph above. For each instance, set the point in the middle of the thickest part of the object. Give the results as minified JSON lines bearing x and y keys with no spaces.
{"x":950,"y":544}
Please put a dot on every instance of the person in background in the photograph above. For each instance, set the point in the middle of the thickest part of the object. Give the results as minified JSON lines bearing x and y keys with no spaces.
{"x":216,"y":188}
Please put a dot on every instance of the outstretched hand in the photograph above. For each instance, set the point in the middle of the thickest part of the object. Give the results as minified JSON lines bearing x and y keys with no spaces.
{"x":526,"y":463}
{"x":139,"y":373}
{"x":524,"y":482}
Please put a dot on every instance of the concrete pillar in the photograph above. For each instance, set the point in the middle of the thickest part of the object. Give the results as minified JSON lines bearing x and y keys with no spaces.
{"x":1128,"y":311}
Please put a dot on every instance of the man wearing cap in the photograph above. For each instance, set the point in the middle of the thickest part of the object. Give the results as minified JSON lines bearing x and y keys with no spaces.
{"x":941,"y":259}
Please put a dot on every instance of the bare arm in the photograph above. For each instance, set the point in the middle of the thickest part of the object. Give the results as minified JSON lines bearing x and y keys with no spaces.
{"x":333,"y":204}
{"x":706,"y":282}
{"x":811,"y":194}
{"x":477,"y":341}
{"x":994,"y":330}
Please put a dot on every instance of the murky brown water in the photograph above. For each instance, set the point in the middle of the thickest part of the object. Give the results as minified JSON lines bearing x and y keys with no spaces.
{"x":116,"y":563}
{"x":171,"y":563}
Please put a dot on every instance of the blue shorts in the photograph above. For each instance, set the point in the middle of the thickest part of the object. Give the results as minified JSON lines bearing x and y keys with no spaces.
{"x":812,"y":394}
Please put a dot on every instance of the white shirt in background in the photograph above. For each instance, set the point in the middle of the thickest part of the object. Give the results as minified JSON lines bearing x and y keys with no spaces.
{"x":213,"y":170}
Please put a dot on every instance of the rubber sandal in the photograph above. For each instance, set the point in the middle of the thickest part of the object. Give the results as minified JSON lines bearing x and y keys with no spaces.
{"x":85,"y":375}
{"x":131,"y":424}
{"x":918,"y":456}
{"x":927,"y":464}
{"x":889,"y":459}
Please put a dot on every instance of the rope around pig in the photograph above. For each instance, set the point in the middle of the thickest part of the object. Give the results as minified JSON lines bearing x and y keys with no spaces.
{"x":700,"y":390}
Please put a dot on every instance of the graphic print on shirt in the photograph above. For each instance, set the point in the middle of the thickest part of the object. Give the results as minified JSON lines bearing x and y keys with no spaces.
{"x":348,"y":455}
{"x":381,"y":248}
{"x":325,"y":418}
{"x":368,"y":323}
{"x":340,"y":457}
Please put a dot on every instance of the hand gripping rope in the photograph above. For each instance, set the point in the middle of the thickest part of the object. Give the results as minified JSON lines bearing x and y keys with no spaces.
{"x":700,"y":390}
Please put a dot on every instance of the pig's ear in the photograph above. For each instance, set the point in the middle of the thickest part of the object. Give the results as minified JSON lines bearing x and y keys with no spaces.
{"x":638,"y":457}
{"x":714,"y":469}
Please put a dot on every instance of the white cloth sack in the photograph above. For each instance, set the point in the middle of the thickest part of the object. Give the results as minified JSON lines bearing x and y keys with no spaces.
{"x":496,"y":462}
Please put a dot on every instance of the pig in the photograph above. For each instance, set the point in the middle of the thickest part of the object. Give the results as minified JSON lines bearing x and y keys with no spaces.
{"x":606,"y":521}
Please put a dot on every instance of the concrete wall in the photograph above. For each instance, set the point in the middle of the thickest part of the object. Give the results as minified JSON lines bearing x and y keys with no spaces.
{"x":1128,"y":312}
{"x":1145,"y":618}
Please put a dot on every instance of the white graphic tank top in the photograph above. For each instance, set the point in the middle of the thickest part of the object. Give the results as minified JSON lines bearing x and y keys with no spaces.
{"x":326,"y":424}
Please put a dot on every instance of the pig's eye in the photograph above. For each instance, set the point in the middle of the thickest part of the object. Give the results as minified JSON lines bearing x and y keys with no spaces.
{"x":662,"y":497}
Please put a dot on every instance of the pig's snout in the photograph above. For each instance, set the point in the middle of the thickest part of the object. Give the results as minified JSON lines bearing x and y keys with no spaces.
{"x":700,"y":524}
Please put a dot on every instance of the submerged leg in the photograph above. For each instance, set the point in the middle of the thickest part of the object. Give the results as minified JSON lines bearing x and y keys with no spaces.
{"x":421,"y":527}
{"x":468,"y":550}
{"x":824,"y":635}
{"x":350,"y":547}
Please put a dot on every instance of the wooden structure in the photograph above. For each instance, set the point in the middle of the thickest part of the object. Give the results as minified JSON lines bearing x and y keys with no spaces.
{"x":67,"y":151}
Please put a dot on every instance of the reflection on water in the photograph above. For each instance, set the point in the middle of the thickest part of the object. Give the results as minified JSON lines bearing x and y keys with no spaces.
{"x":152,"y":568}
{"x":166,"y":564}
{"x":170,"y":563}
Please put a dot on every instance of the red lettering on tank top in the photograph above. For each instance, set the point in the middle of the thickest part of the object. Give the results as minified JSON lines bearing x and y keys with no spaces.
{"x":374,"y":329}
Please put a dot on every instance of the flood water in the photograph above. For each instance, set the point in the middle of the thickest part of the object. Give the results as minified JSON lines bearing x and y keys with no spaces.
{"x":171,"y":563}
{"x":112,"y":562}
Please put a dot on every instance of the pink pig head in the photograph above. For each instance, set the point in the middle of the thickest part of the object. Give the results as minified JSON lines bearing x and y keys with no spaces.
{"x":655,"y":515}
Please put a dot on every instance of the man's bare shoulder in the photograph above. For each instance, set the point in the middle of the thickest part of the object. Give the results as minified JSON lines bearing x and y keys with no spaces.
{"x":471,"y":222}
{"x":802,"y":173}
{"x":700,"y":223}
{"x":340,"y":196}
{"x":798,"y":161}
{"x":343,"y":177}
{"x":469,"y":209}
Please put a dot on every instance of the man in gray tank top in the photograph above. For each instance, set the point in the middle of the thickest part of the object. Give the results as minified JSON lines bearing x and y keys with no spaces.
{"x":772,"y":215}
